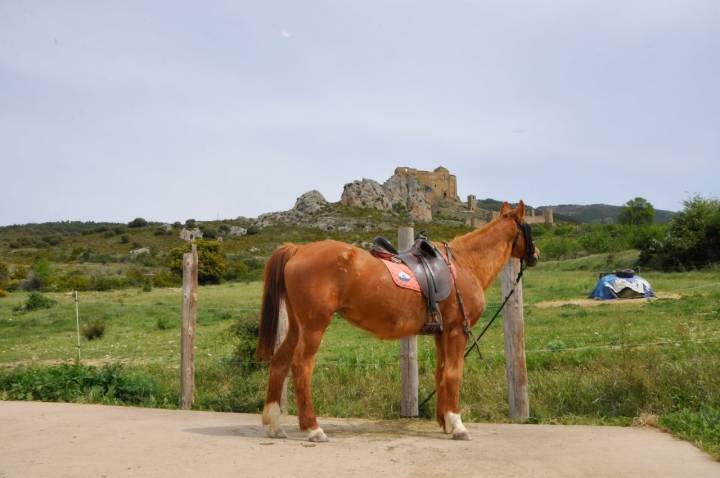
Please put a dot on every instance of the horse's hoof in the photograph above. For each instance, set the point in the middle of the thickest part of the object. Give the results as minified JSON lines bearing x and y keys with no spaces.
{"x":317,"y":436}
{"x":279,"y":433}
{"x":463,"y":435}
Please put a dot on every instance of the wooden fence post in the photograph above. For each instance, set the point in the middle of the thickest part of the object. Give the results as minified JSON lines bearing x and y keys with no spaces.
{"x":408,"y":350}
{"x":513,"y":328}
{"x":187,"y":335}
{"x":279,"y":339}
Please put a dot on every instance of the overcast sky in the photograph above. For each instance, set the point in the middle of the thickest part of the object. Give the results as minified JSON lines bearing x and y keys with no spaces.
{"x":170,"y":110}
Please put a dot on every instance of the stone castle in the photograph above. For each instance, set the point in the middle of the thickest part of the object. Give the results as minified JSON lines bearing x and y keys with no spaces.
{"x":439,"y":184}
{"x":417,"y":192}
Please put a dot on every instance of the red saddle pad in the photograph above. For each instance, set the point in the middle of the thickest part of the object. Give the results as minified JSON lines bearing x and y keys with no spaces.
{"x":403,"y":277}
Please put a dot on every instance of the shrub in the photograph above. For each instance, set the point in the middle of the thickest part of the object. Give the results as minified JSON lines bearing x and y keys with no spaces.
{"x":246,"y":331}
{"x":36,"y":301}
{"x":41,"y":274}
{"x":124,"y":239}
{"x":94,"y":329}
{"x":692,"y":239}
{"x":66,"y":383}
{"x":163,"y":323}
{"x":190,"y":223}
{"x":209,"y":232}
{"x":3,"y":293}
{"x":211,"y":258}
{"x":138,"y":222}
{"x":4,"y":274}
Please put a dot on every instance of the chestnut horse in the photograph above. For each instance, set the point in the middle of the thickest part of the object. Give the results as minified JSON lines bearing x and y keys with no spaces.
{"x":314,"y":281}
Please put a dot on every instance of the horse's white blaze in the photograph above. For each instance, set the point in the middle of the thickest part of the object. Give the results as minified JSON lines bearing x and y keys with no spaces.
{"x":455,"y":425}
{"x":273,"y":413}
{"x":317,"y":435}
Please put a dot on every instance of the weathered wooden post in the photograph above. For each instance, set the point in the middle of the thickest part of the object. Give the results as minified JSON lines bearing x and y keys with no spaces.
{"x":279,"y":339}
{"x":187,"y":335}
{"x":408,"y":350}
{"x":513,"y":328}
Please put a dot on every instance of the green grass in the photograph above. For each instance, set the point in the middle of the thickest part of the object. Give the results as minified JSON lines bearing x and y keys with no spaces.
{"x":607,"y":364}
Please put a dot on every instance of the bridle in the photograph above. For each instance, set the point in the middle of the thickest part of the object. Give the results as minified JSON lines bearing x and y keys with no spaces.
{"x":528,"y":258}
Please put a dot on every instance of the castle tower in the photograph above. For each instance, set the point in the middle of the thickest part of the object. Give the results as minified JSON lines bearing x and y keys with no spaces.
{"x":548,"y":213}
{"x":471,"y":202}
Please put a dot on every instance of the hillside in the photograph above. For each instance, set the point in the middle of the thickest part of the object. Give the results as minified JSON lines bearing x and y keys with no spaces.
{"x":599,"y":213}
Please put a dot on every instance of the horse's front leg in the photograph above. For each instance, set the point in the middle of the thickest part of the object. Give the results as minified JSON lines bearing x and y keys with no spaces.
{"x":454,"y":341}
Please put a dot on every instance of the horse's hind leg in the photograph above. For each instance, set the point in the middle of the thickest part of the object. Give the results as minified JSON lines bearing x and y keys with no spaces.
{"x":279,"y":367}
{"x":302,"y":367}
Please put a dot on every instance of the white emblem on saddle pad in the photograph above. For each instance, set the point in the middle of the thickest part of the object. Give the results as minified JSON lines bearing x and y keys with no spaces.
{"x":404,"y":276}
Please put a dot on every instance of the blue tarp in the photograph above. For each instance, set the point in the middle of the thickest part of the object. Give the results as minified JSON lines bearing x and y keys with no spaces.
{"x":611,"y":286}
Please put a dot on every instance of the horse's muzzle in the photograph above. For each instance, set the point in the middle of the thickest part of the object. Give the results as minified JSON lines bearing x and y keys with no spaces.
{"x":532,"y":260}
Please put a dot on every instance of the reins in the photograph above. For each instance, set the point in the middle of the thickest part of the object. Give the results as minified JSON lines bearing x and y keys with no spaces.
{"x":468,"y":330}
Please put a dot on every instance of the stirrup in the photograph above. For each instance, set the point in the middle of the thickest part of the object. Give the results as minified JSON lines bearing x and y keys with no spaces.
{"x":434,"y":325}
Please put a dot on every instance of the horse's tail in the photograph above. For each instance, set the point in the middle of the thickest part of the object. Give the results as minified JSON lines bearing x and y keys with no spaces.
{"x":273,"y":295}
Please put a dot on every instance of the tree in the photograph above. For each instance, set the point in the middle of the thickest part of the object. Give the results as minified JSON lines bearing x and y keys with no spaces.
{"x":637,"y":212}
{"x":692,"y":240}
{"x":137,"y":222}
{"x":212,"y":264}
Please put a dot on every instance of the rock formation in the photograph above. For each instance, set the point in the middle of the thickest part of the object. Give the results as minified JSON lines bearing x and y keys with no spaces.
{"x":404,"y":190}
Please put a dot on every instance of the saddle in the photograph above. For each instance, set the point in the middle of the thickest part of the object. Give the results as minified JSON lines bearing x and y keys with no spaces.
{"x":431,"y":269}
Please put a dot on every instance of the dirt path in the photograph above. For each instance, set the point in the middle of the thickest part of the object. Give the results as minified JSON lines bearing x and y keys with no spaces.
{"x":67,"y":440}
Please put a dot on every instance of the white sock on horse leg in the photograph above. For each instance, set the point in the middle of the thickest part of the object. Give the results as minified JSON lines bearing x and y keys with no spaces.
{"x":273,"y":413}
{"x":317,"y":435}
{"x":455,"y":424}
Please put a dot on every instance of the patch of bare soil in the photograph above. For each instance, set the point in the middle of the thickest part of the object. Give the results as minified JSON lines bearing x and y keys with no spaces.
{"x":593,"y":303}
{"x":70,"y":440}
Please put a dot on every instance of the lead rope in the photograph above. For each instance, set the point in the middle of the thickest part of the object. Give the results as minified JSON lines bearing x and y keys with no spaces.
{"x":466,"y":325}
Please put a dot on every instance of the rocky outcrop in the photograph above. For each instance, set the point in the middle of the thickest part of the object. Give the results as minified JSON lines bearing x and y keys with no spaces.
{"x":365,"y":193}
{"x":398,"y":192}
{"x":407,"y":191}
{"x":237,"y":231}
{"x":310,"y":202}
{"x":190,"y":235}
{"x":306,"y":206}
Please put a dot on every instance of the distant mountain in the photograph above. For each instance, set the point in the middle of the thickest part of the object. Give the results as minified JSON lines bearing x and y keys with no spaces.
{"x":598,"y":213}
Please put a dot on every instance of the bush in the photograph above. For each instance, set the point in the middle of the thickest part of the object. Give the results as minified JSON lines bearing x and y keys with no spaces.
{"x":68,"y":383}
{"x":36,"y":301}
{"x":40,"y":276}
{"x":211,"y":258}
{"x":94,"y":329}
{"x":246,"y":331}
{"x":209,"y":232}
{"x":138,"y":222}
{"x":163,"y":323}
{"x":190,"y":223}
{"x":3,"y":293}
{"x":4,"y":274}
{"x":692,"y":239}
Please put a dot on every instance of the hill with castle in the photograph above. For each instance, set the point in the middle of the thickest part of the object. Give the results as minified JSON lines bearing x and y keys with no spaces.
{"x":424,"y":196}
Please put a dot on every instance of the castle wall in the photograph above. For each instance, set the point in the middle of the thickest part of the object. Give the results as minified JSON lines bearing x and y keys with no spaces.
{"x":439,"y":184}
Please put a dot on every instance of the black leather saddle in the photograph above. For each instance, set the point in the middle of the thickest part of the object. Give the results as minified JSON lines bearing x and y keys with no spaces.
{"x":431,"y":270}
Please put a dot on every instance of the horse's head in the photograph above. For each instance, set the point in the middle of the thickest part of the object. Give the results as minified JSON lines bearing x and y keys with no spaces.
{"x":523,"y":246}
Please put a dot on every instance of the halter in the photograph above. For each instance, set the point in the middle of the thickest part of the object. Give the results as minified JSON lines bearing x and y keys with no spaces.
{"x":529,"y":256}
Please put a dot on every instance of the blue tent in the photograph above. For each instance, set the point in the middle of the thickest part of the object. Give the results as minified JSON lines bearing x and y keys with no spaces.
{"x":622,"y":285}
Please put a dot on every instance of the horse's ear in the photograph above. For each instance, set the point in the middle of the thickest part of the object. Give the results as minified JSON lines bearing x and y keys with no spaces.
{"x":505,"y":208}
{"x":520,"y":210}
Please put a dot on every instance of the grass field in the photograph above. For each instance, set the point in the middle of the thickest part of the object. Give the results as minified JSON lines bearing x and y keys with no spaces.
{"x":622,"y":363}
